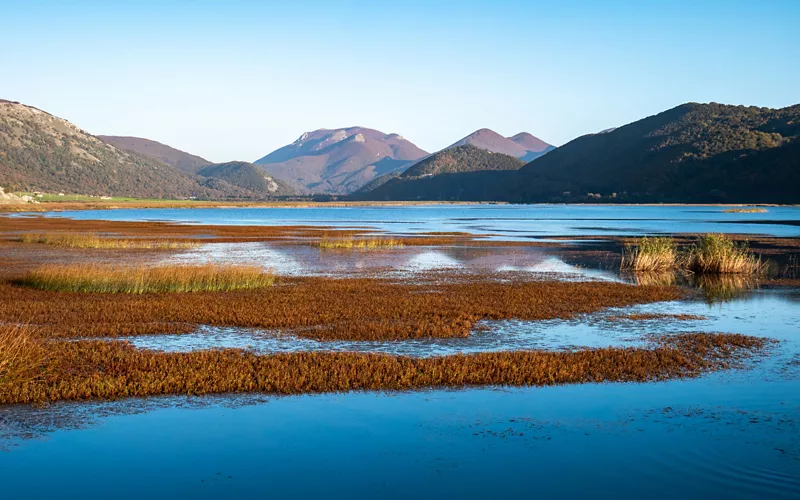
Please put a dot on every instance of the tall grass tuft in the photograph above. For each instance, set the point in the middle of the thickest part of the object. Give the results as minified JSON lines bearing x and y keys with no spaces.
{"x":718,"y":254}
{"x":358,"y":243}
{"x":83,"y":240}
{"x":656,"y":254}
{"x":21,"y":356}
{"x":138,"y":280}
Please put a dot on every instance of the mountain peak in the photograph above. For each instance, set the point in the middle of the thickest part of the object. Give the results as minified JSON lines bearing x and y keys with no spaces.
{"x":339,"y":161}
{"x":523,"y":145}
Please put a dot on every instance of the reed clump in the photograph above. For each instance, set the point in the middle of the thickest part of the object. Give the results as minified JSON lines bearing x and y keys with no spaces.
{"x":651,"y":254}
{"x":143,"y":279}
{"x":349,"y":243}
{"x":718,"y":254}
{"x":82,"y":240}
{"x":107,"y":369}
{"x":21,"y":356}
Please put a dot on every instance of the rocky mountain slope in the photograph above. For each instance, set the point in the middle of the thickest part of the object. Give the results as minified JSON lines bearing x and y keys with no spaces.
{"x":41,"y":152}
{"x":340,"y":161}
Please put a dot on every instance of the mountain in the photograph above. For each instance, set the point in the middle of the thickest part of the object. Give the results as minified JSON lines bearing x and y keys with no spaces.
{"x":523,"y":145}
{"x":41,"y":152}
{"x":694,"y":153}
{"x":691,"y":153}
{"x":185,"y":162}
{"x":340,"y":161}
{"x":245,"y":176}
{"x":437,"y":176}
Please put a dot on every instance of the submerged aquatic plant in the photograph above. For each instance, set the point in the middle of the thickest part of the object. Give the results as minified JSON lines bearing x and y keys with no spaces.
{"x":143,"y":279}
{"x":718,"y":254}
{"x":83,"y":240}
{"x":651,"y":254}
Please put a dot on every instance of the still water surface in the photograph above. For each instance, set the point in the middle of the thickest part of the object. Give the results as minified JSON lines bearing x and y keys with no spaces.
{"x":733,"y":434}
{"x":515,"y":222}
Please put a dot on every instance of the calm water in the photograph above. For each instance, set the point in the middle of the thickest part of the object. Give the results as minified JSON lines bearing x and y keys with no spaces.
{"x":733,"y":434}
{"x":506,"y":221}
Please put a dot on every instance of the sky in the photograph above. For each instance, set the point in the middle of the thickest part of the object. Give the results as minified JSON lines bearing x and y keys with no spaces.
{"x":235,"y":80}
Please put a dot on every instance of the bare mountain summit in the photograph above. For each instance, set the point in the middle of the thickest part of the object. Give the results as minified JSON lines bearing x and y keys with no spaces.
{"x":340,"y":161}
{"x":524,"y":146}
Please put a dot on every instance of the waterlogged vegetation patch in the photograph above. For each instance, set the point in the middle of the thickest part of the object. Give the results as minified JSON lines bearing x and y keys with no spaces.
{"x":376,"y":243}
{"x":143,"y":279}
{"x":109,"y":369}
{"x":710,"y":254}
{"x":317,"y":308}
{"x":78,"y":240}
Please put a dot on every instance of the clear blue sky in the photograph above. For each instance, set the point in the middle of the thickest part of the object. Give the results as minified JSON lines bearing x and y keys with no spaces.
{"x":237,"y":79}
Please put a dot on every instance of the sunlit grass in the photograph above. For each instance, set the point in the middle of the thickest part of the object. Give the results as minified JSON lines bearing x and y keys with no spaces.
{"x":138,"y":280}
{"x":371,"y":243}
{"x":650,"y":254}
{"x":83,"y":240}
{"x":718,"y":254}
{"x":21,"y":356}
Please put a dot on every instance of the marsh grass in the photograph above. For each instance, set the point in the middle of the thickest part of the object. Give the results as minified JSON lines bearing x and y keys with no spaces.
{"x":718,"y":254}
{"x":21,"y":356}
{"x":84,"y":240}
{"x":746,"y":210}
{"x":107,"y":369}
{"x":650,"y":254}
{"x":349,"y":243}
{"x":143,"y":279}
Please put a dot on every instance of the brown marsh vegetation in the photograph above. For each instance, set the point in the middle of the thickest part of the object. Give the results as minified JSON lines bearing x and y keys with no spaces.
{"x":21,"y":356}
{"x":88,"y":278}
{"x":107,"y":369}
{"x":326,"y":308}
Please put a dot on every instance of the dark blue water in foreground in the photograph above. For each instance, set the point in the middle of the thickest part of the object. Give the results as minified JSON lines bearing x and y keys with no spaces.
{"x":506,"y":221}
{"x":733,"y":434}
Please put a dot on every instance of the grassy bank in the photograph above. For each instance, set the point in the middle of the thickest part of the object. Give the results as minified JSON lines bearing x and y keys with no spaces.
{"x":139,"y":280}
{"x":370,"y":243}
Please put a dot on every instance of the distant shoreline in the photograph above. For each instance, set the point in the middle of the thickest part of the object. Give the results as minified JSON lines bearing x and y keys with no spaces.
{"x":62,"y":206}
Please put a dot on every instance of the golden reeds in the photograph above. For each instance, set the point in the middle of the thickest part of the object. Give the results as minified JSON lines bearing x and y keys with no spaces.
{"x":650,"y":254}
{"x":143,"y":279}
{"x":83,"y":240}
{"x":718,"y":254}
{"x":350,"y":243}
{"x":106,"y":369}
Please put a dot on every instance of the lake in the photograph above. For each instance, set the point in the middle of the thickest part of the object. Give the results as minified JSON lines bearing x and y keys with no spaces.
{"x":733,"y":434}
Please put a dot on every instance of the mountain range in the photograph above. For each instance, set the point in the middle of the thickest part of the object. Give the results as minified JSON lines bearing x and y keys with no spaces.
{"x":699,"y":153}
{"x":692,"y":153}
